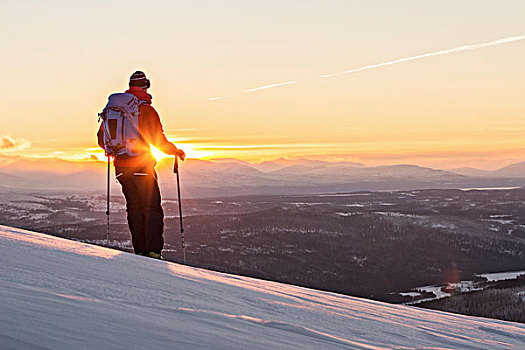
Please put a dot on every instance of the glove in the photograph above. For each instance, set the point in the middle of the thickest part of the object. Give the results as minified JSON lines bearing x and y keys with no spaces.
{"x":180,"y":153}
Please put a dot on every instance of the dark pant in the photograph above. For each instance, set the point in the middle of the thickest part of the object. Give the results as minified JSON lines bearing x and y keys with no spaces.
{"x":145,"y":215}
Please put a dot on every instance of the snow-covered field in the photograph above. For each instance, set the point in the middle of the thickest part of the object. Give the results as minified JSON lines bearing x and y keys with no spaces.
{"x":500,"y":276}
{"x":61,"y":294}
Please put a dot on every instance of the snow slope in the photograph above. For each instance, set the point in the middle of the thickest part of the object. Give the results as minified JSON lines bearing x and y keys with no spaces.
{"x":60,"y":294}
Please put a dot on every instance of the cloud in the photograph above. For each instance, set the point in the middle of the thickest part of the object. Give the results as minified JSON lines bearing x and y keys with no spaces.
{"x":432,"y":54}
{"x":400,"y":60}
{"x":9,"y":144}
{"x":271,"y":86}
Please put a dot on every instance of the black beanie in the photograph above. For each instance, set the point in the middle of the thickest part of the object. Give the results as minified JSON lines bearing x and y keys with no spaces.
{"x":139,"y":79}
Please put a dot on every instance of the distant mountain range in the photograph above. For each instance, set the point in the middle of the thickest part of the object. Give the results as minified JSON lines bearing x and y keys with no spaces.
{"x":516,"y":170}
{"x":224,"y":177}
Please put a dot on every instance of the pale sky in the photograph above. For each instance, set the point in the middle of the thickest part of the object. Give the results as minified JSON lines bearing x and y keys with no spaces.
{"x":61,"y":60}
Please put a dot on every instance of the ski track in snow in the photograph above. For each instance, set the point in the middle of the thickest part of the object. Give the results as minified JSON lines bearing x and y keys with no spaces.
{"x":61,"y":294}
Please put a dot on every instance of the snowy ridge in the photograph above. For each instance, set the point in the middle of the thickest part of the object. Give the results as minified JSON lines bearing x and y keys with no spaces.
{"x":61,"y":294}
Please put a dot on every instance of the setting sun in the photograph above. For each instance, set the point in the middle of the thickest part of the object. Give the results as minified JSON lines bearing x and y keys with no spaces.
{"x":190,"y":150}
{"x":157,"y":153}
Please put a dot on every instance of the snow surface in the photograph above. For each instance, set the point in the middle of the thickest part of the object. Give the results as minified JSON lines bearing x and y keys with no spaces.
{"x":61,"y":294}
{"x":500,"y":276}
{"x":410,"y":294}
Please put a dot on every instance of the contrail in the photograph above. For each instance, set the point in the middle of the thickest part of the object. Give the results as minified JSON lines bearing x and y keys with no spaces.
{"x":509,"y":39}
{"x":431,"y":54}
{"x":271,"y":86}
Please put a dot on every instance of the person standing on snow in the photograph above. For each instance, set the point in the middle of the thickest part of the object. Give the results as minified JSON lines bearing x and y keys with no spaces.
{"x":136,"y":173}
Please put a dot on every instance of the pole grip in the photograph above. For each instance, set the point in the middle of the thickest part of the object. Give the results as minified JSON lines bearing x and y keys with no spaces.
{"x":176,"y":165}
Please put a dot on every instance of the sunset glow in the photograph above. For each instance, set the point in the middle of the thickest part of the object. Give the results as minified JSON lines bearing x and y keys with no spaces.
{"x":158,"y":154}
{"x":190,"y":150}
{"x":419,"y":92}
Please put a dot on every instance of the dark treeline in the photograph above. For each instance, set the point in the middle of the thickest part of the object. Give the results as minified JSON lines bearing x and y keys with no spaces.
{"x":503,"y":300}
{"x":366,"y":255}
{"x":373,"y":244}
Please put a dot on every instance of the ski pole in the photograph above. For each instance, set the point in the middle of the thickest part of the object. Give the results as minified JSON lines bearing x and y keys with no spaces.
{"x":176,"y":171}
{"x":107,"y":207}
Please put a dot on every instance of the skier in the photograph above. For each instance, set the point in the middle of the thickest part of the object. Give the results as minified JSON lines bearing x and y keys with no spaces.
{"x":136,"y":172}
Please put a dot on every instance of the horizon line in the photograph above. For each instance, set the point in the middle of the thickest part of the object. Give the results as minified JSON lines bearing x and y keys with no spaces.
{"x":11,"y":159}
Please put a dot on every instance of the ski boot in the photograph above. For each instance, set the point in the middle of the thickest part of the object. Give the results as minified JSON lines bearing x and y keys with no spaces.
{"x":155,"y":256}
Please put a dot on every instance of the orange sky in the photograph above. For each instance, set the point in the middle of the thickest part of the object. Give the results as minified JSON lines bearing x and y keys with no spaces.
{"x":62,"y":60}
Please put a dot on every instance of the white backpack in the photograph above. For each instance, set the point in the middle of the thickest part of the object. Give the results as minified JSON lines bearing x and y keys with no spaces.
{"x":120,"y":121}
